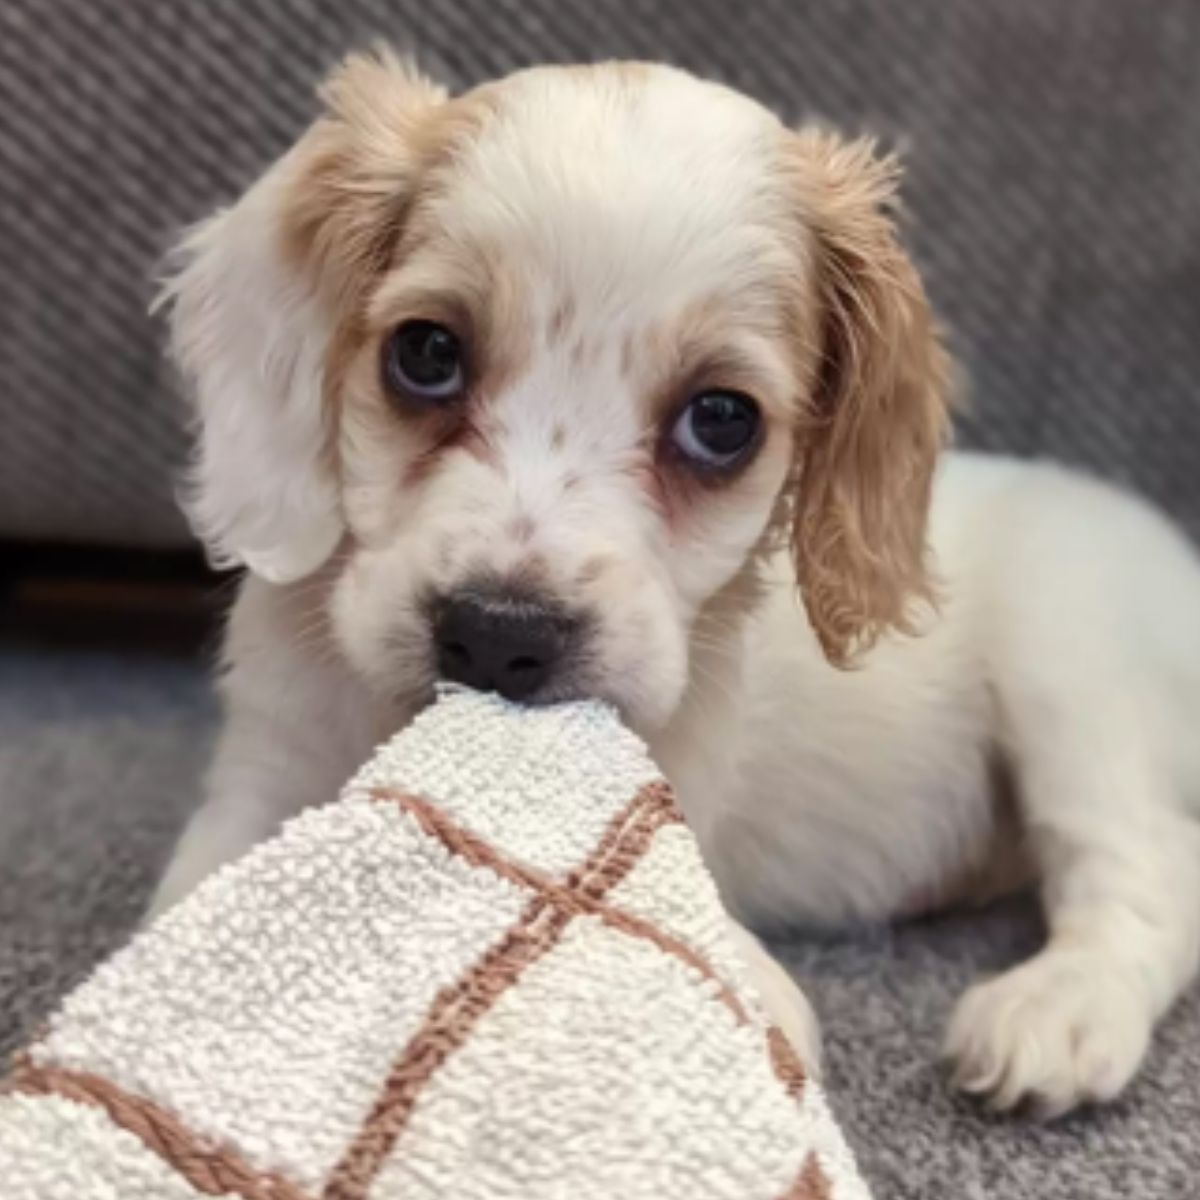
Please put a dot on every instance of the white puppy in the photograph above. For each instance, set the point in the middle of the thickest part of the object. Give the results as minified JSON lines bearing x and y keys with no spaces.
{"x":571,"y":386}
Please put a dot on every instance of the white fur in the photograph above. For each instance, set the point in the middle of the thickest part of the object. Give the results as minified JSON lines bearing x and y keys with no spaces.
{"x":1067,"y":649}
{"x":253,"y":341}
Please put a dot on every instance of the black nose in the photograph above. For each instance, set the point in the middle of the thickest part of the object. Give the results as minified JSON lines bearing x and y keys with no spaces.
{"x":499,"y":641}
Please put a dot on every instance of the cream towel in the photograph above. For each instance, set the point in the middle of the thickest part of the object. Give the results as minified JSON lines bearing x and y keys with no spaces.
{"x":495,"y":969}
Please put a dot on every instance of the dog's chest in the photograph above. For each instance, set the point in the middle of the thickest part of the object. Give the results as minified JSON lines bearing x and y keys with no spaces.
{"x":822,"y":796}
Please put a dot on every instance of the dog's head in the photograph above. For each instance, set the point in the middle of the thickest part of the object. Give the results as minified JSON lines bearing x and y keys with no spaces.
{"x":546,"y":367}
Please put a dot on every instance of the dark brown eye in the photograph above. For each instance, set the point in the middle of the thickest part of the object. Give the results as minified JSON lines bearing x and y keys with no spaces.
{"x":717,"y":429}
{"x":424,"y":361}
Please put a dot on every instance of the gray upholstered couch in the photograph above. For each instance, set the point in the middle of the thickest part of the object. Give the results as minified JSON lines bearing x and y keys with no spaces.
{"x":1054,"y":150}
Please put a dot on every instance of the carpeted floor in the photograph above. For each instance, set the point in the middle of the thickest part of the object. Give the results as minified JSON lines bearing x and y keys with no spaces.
{"x":100,"y":756}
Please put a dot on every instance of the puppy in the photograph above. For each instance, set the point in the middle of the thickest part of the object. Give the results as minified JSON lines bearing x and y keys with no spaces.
{"x":601,"y":381}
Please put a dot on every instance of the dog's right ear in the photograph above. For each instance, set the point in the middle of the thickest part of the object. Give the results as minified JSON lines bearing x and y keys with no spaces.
{"x":255,"y":293}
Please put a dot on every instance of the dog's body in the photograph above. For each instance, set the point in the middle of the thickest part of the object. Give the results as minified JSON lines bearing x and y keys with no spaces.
{"x":619,"y":461}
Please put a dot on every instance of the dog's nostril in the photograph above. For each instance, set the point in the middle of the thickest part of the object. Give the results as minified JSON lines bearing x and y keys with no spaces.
{"x":456,"y":650}
{"x":499,"y":641}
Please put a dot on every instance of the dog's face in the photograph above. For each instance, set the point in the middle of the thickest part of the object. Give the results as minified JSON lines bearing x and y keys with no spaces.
{"x":545,"y":369}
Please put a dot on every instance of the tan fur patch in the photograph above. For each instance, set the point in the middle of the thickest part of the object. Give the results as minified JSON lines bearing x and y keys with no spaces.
{"x":700,"y":348}
{"x":868,"y":450}
{"x":560,"y":319}
{"x":367,"y":177}
{"x":355,"y":170}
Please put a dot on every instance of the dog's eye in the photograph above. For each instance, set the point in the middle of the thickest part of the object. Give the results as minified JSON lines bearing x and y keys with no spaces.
{"x":717,"y":429}
{"x":424,"y":360}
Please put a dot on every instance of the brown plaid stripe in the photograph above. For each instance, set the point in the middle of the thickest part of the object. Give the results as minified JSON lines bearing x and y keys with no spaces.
{"x":210,"y":1169}
{"x":455,"y":1011}
{"x":582,"y":892}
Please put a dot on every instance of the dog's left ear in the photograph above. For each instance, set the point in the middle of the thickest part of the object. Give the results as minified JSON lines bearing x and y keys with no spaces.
{"x":869,"y":438}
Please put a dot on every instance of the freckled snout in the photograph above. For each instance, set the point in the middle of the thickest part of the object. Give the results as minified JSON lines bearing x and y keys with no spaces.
{"x":502,"y":640}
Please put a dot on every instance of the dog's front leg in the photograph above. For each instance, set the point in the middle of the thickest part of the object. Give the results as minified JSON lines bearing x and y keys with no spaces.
{"x":296,"y":726}
{"x":1120,"y":863}
{"x":262,"y":774}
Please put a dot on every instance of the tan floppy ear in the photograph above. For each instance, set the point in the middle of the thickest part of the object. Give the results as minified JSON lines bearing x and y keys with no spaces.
{"x":254,"y":297}
{"x":868,"y":443}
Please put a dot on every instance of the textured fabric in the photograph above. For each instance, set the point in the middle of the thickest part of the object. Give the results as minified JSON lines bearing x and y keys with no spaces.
{"x":1055,"y":187}
{"x":105,"y":1160}
{"x":100,"y":762}
{"x":430,"y":989}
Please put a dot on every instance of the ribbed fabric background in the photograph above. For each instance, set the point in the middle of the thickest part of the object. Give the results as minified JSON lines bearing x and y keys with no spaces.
{"x":1053,"y":146}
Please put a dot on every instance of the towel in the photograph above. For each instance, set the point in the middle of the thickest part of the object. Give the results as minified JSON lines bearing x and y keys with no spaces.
{"x":494,"y":968}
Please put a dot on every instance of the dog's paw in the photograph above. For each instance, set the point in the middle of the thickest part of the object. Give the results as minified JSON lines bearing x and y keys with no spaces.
{"x":1058,"y":1031}
{"x":782,"y":999}
{"x":798,"y":1023}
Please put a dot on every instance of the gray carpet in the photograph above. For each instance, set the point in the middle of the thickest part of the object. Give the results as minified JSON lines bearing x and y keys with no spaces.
{"x":100,"y":756}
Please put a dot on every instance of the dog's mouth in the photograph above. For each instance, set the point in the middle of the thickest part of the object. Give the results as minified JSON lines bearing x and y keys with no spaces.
{"x":526,"y":646}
